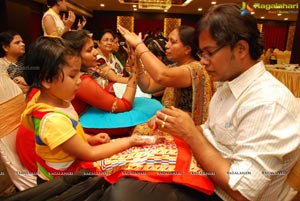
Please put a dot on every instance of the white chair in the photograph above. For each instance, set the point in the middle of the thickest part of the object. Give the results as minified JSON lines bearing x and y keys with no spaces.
{"x":19,"y":175}
{"x":11,"y":110}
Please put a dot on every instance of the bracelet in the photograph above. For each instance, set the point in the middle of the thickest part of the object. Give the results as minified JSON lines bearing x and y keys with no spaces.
{"x":143,"y":53}
{"x":141,"y":42}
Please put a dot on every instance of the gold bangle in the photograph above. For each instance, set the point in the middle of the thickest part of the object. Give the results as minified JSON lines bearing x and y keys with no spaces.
{"x":141,"y":42}
{"x":143,"y":53}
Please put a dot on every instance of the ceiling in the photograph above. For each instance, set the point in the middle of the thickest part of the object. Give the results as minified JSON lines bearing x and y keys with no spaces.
{"x":192,"y":7}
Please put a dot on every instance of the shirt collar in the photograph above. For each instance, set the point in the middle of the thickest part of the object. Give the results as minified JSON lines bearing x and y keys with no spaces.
{"x":241,"y":83}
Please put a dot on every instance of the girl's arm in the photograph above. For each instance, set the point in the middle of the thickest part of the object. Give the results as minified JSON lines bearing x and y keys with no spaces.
{"x":83,"y":151}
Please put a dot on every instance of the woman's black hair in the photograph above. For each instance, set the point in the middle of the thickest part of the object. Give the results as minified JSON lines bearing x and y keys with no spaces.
{"x":5,"y":39}
{"x":104,"y":31}
{"x":187,"y":37}
{"x":77,"y":39}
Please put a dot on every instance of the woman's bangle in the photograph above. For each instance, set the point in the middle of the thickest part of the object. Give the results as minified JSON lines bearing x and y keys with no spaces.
{"x":143,"y":53}
{"x":141,"y":42}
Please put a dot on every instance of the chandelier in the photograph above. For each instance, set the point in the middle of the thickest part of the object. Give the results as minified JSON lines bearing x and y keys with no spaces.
{"x":155,"y":4}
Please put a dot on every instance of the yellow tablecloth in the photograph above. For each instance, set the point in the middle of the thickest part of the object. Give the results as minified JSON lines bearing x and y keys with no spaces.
{"x":291,"y":79}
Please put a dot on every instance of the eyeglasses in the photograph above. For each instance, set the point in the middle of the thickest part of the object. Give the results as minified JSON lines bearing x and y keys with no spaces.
{"x":207,"y":55}
{"x":107,"y":40}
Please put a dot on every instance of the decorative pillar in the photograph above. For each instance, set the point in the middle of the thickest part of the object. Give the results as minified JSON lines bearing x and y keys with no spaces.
{"x":126,"y":22}
{"x":170,"y":24}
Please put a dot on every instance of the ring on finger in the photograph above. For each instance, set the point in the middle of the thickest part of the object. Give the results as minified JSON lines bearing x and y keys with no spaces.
{"x":163,"y":124}
{"x":166,"y":117}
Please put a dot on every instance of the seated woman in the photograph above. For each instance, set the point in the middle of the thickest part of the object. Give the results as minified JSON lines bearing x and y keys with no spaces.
{"x":12,"y":48}
{"x":188,"y":85}
{"x":91,"y":95}
{"x":108,"y":62}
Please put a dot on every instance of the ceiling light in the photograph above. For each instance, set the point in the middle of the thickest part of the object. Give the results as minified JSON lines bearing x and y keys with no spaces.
{"x":262,"y":17}
{"x":102,"y":5}
{"x":187,"y":2}
{"x":213,"y":2}
{"x":286,"y":18}
{"x":155,"y":4}
{"x":200,"y":9}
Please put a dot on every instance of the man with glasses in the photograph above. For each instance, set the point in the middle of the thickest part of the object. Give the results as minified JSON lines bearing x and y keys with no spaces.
{"x":252,"y":136}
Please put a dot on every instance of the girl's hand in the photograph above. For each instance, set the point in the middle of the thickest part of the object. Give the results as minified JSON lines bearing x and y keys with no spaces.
{"x":100,"y":138}
{"x":136,"y":140}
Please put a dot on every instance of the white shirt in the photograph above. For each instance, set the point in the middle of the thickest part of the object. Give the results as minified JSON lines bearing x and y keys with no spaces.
{"x":8,"y":88}
{"x":114,"y":64}
{"x":60,"y":26}
{"x":254,"y":122}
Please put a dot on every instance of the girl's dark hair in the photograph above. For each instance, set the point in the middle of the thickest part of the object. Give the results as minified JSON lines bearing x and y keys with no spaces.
{"x":227,"y":24}
{"x":77,"y":39}
{"x":104,"y":31}
{"x":187,"y":37}
{"x":45,"y":60}
{"x":5,"y":39}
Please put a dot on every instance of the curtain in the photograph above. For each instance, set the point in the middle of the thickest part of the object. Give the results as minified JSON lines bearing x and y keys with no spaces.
{"x":275,"y":36}
{"x":36,"y":26}
{"x":146,"y":25}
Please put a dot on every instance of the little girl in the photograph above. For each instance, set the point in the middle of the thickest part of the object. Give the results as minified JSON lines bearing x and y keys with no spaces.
{"x":54,"y":68}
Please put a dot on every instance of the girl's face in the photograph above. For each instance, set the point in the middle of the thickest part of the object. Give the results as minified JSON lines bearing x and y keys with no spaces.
{"x":88,"y":54}
{"x":16,"y":47}
{"x":64,"y":87}
{"x":106,"y":43}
